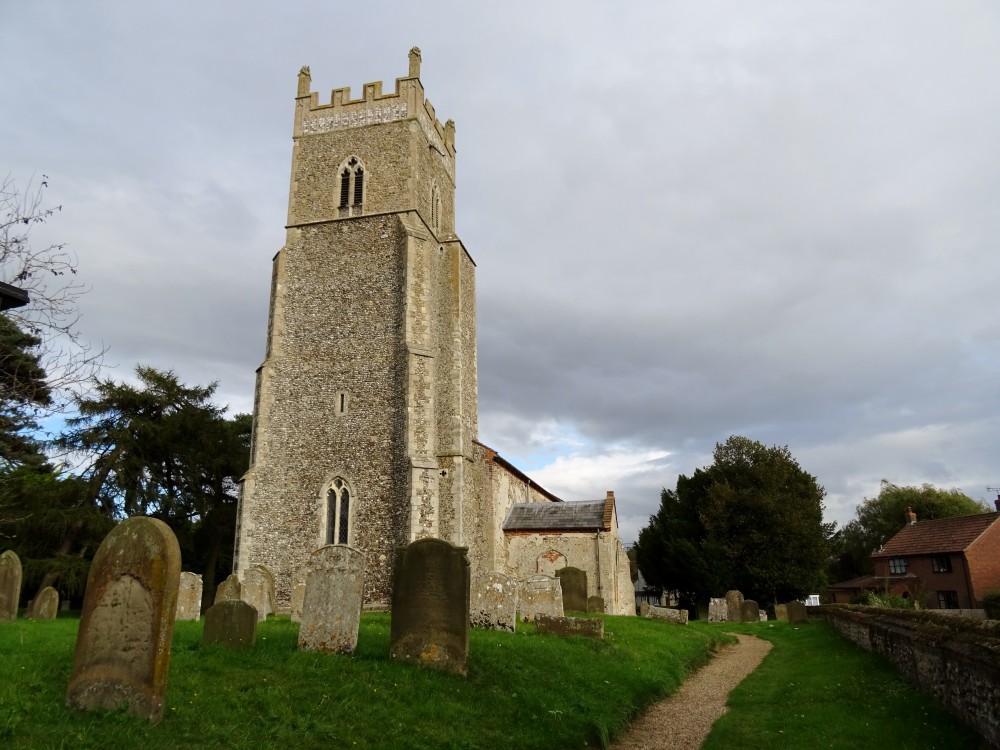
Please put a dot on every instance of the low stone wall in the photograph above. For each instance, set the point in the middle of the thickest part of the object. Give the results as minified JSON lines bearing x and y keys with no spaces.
{"x":954,"y":660}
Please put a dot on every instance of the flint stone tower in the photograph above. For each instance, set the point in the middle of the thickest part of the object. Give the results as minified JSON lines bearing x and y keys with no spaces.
{"x":365,"y":411}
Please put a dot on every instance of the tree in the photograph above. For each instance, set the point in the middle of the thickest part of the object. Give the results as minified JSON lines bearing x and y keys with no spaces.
{"x":23,"y":390}
{"x":753,"y":520}
{"x":48,"y":274}
{"x":881,"y":517}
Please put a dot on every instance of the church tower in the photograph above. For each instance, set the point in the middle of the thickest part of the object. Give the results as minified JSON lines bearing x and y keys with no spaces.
{"x":365,"y":410}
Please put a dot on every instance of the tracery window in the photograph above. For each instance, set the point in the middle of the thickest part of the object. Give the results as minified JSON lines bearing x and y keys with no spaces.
{"x":352,"y":187}
{"x":338,"y":513}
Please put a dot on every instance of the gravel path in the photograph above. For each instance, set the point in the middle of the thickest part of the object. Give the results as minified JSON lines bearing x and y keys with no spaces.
{"x":684,"y":719}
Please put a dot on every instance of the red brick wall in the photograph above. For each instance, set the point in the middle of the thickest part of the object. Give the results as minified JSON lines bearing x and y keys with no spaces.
{"x":984,"y":562}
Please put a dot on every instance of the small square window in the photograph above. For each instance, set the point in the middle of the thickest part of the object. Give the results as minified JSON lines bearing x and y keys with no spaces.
{"x":941,"y":564}
{"x":897,"y":566}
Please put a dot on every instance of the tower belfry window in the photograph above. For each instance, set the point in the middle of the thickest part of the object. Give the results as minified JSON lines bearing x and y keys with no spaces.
{"x":352,"y":187}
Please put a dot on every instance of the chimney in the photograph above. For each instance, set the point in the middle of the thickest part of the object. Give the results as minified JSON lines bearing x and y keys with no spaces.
{"x":911,"y":517}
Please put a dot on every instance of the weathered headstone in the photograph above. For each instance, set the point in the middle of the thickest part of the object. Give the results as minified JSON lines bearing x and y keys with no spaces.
{"x":587,"y":627}
{"x":127,"y":621}
{"x":46,"y":606}
{"x":734,"y":604}
{"x":781,"y":612}
{"x":574,"y":589}
{"x":10,"y":585}
{"x":718,"y":610}
{"x":749,"y":611}
{"x":540,"y":595}
{"x":189,"y":597}
{"x":230,"y":623}
{"x":258,"y":590}
{"x":762,"y":613}
{"x":680,"y":616}
{"x":595,"y":604}
{"x":298,"y":595}
{"x":430,"y":607}
{"x":797,"y":612}
{"x":229,"y":590}
{"x":494,"y":602}
{"x":334,"y":595}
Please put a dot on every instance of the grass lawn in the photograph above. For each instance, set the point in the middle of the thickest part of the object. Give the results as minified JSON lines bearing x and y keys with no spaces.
{"x":523,"y":691}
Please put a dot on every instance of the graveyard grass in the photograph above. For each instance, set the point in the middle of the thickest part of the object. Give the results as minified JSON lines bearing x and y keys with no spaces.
{"x":523,"y":691}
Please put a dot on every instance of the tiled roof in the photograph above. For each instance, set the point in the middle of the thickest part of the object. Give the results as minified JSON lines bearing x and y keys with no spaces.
{"x":583,"y":516}
{"x":871,"y":582}
{"x":943,"y":535}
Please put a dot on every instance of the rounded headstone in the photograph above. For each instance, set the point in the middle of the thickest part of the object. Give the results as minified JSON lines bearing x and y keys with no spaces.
{"x":46,"y":606}
{"x":232,"y":623}
{"x":10,"y":585}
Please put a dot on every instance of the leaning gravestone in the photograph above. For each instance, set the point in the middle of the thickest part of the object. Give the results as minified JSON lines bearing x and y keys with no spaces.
{"x":574,"y":589}
{"x":298,"y":595}
{"x":734,"y":603}
{"x":541,"y":595}
{"x":230,"y":623}
{"x":46,"y":606}
{"x":334,"y":595}
{"x":189,"y":597}
{"x":781,"y":612}
{"x":258,"y":590}
{"x":797,"y":612}
{"x":10,"y":585}
{"x":718,"y":610}
{"x":595,"y":604}
{"x":494,"y":602}
{"x":229,"y":590}
{"x":127,"y":621}
{"x":430,"y":606}
{"x":750,"y":612}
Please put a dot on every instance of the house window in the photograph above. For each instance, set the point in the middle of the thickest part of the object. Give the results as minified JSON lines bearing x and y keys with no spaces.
{"x":352,"y":187}
{"x":941,"y":564}
{"x":897,"y":565}
{"x":947,"y":599}
{"x":338,"y":512}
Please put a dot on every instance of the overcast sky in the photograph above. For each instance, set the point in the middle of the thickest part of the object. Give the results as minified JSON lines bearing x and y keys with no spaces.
{"x":690,"y":219}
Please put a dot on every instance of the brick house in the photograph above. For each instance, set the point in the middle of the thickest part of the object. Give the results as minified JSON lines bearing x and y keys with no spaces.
{"x":950,"y":563}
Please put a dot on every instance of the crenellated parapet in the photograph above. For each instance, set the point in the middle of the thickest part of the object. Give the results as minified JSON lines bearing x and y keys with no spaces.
{"x":406,"y":102}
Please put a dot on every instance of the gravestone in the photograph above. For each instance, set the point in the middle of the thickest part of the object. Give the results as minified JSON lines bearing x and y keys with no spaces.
{"x":10,"y":585}
{"x":749,"y":611}
{"x":718,"y":610}
{"x":763,"y":615}
{"x":574,"y":589}
{"x":540,"y":595}
{"x":298,"y":595}
{"x":229,"y":590}
{"x":231,"y":622}
{"x":189,"y":597}
{"x":331,"y":607}
{"x":46,"y":606}
{"x":781,"y":612}
{"x":127,"y":621}
{"x":430,"y":607}
{"x":494,"y":602}
{"x":679,"y":616}
{"x":797,"y":612}
{"x":258,"y":590}
{"x":734,"y":603}
{"x":587,"y":627}
{"x":595,"y":604}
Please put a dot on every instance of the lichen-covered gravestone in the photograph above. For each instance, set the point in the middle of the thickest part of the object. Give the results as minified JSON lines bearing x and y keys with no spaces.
{"x":595,"y":604}
{"x":781,"y":612}
{"x":734,"y":603}
{"x":189,"y":597}
{"x":749,"y":611}
{"x":541,"y":595}
{"x":797,"y":613}
{"x":334,"y":595}
{"x":258,"y":590}
{"x":229,"y":590}
{"x":298,"y":595}
{"x":230,"y":623}
{"x":586,"y":627}
{"x":10,"y":585}
{"x":430,"y":606}
{"x":718,"y":610}
{"x":494,"y":602}
{"x":45,"y":606}
{"x":127,"y":622}
{"x":574,"y":588}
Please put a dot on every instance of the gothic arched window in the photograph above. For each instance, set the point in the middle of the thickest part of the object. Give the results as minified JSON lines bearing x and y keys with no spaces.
{"x":352,"y":187}
{"x":338,"y":512}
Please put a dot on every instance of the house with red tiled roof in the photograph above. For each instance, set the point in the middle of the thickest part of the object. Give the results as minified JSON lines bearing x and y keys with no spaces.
{"x":950,"y":563}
